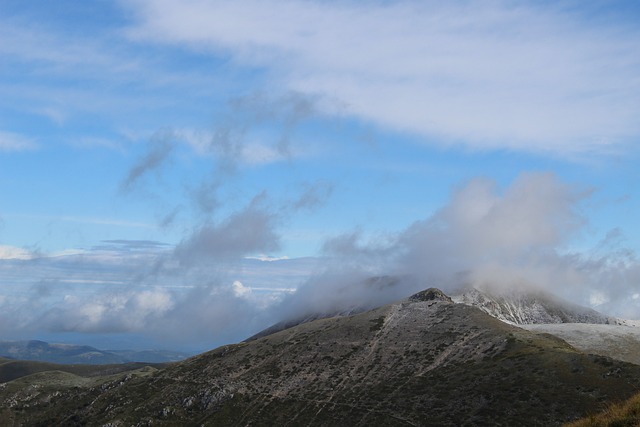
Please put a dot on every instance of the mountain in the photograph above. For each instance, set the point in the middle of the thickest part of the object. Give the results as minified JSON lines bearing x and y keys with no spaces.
{"x":375,"y":285}
{"x":424,"y":360}
{"x":286,"y":324}
{"x":585,"y":329}
{"x":518,"y":307}
{"x":57,"y":353}
{"x":12,"y":370}
{"x":81,"y":354}
{"x":620,"y":342}
{"x":150,"y":356}
{"x":523,"y":307}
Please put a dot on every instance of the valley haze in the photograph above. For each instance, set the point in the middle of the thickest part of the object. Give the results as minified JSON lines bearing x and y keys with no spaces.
{"x":182,"y":175}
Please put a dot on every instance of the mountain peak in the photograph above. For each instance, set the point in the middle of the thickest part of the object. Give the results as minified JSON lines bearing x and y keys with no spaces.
{"x":522,"y":307}
{"x":431,"y":294}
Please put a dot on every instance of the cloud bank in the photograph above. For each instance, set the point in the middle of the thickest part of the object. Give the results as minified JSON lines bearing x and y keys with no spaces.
{"x":518,"y":75}
{"x":207,"y":291}
{"x":516,"y":238}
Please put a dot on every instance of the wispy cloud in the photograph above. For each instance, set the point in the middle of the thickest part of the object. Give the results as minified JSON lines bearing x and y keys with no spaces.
{"x":250,"y":230}
{"x":160,"y":148}
{"x":523,"y":76}
{"x":255,"y":129}
{"x":314,"y":195}
{"x":85,"y":220}
{"x":55,"y":75}
{"x":14,"y":142}
{"x":11,"y":252}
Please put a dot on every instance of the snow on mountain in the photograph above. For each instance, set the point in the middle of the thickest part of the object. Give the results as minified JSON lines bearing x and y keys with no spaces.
{"x":527,"y":307}
{"x":616,"y":341}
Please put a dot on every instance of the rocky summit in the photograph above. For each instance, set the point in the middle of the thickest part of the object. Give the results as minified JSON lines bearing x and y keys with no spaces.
{"x":424,"y":360}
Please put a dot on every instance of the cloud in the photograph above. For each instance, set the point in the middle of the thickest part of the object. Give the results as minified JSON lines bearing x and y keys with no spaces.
{"x":537,"y":213}
{"x":109,"y":312}
{"x":11,"y":252}
{"x":523,"y":76}
{"x":246,"y":232}
{"x":205,"y":292}
{"x":89,"y":220}
{"x":240,"y":290}
{"x":249,"y":132}
{"x":254,"y":129}
{"x":160,"y":149}
{"x":123,"y":245}
{"x":513,"y":238}
{"x":314,"y":195}
{"x":13,"y":142}
{"x":115,"y":290}
{"x":212,"y":313}
{"x":62,"y":61}
{"x":205,"y":196}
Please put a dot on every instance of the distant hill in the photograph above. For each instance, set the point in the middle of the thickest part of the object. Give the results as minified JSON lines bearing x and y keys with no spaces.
{"x":424,"y":360}
{"x":150,"y":356}
{"x":81,"y":354}
{"x":11,"y":370}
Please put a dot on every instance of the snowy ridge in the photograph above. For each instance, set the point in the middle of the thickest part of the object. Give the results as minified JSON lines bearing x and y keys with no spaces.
{"x":620,"y":342}
{"x":524,"y":308}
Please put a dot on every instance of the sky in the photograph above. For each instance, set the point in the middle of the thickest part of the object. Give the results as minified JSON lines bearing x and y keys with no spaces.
{"x":181,"y":175}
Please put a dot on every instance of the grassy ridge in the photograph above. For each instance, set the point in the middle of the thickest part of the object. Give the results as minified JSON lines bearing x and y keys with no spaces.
{"x":625,"y":414}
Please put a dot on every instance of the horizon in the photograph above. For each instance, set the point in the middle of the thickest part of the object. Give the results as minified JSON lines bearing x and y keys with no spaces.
{"x":183,"y":175}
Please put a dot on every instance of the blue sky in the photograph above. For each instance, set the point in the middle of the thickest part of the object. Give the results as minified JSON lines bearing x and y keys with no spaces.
{"x":150,"y":150}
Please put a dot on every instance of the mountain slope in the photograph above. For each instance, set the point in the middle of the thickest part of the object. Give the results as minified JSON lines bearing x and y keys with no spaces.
{"x":626,"y":414}
{"x":421,"y":361}
{"x":616,"y":341}
{"x":531,"y":307}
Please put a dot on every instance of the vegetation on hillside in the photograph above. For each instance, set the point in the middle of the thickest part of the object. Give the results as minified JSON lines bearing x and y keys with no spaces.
{"x":421,"y":361}
{"x":625,"y":414}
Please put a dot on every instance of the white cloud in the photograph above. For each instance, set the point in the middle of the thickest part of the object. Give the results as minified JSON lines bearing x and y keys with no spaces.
{"x":267,"y":258}
{"x":252,"y":152}
{"x":487,"y":237}
{"x":11,"y":252}
{"x":109,"y":311}
{"x":240,"y":291}
{"x":497,"y":74}
{"x":13,"y":142}
{"x":123,"y":287}
{"x":244,"y":233}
